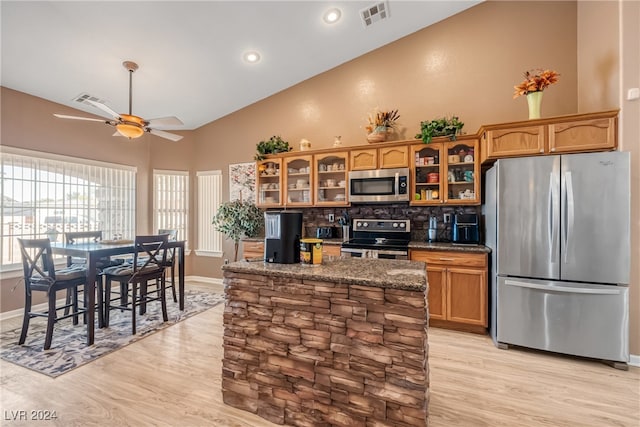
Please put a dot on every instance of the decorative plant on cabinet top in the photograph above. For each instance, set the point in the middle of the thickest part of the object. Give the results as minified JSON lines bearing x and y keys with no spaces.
{"x":273,"y":145}
{"x":450,"y":127}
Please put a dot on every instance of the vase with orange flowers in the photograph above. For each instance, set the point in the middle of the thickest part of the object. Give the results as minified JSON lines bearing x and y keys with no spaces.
{"x":535,"y":82}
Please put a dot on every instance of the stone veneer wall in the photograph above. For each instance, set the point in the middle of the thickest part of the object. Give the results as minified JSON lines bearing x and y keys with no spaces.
{"x":309,"y":353}
{"x":419,"y":216}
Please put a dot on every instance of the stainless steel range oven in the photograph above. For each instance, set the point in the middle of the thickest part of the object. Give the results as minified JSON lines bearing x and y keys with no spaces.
{"x":379,"y":238}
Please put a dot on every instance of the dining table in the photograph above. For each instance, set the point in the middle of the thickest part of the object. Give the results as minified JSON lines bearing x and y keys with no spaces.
{"x":94,"y":251}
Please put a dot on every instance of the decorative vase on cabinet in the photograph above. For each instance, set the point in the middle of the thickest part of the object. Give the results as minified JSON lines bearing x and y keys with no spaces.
{"x":534,"y":100}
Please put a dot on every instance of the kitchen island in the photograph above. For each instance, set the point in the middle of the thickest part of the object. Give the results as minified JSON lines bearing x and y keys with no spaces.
{"x":341,"y":343}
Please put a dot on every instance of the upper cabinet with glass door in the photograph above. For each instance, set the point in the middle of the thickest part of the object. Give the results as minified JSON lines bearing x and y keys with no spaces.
{"x":269,"y":183}
{"x":446,"y":172}
{"x":331,"y":179}
{"x":427,"y":173}
{"x":462,"y":178}
{"x":298,"y":173}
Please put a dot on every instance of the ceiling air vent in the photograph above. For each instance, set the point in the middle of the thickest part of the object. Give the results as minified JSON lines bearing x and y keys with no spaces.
{"x":85,"y":96}
{"x":374,"y":13}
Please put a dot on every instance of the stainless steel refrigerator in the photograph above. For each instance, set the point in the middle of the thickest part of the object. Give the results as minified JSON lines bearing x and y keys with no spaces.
{"x":559,"y":230}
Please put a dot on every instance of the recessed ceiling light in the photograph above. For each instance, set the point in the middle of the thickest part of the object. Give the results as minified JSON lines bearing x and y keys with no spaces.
{"x":251,"y":57}
{"x":332,"y":16}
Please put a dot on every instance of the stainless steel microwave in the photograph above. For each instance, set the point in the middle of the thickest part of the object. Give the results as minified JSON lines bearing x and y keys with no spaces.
{"x":379,"y":186}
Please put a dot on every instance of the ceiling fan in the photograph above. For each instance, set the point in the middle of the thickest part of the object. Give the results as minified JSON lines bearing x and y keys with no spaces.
{"x":128,"y":125}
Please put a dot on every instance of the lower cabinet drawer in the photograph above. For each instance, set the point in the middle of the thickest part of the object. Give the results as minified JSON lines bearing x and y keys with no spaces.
{"x":450,"y":258}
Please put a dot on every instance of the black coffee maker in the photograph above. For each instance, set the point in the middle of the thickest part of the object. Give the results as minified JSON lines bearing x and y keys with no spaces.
{"x":466,"y":229}
{"x":283,"y":230}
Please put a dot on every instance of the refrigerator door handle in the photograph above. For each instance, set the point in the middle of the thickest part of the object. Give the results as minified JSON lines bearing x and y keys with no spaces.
{"x":570,"y":215}
{"x":552,"y":228}
{"x":571,"y":290}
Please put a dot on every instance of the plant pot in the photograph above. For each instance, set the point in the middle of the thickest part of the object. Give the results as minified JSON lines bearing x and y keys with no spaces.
{"x":374,"y":137}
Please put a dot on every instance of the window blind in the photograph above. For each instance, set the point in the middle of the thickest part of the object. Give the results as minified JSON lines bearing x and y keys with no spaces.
{"x":209,"y":198}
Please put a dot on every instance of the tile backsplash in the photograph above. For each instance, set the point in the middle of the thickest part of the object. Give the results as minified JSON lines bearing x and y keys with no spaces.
{"x":419,"y":216}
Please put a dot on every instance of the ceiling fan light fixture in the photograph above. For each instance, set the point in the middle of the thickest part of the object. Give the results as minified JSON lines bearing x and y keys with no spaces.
{"x":130,"y":131}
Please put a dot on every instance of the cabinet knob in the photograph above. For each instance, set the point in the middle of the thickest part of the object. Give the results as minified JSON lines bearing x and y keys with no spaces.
{"x":553,"y":149}
{"x":541,"y":150}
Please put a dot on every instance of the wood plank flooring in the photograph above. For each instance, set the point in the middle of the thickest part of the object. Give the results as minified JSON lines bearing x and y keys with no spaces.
{"x":172,"y":378}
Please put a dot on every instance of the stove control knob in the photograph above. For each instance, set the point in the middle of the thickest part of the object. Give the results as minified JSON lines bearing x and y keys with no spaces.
{"x":395,"y":225}
{"x":359,"y":224}
{"x":366,"y":224}
{"x":403,"y":225}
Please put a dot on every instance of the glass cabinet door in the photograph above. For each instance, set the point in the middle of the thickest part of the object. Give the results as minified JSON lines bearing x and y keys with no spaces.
{"x":298,"y":173}
{"x":462,"y":176}
{"x":427,"y":166}
{"x":331,"y":179}
{"x":269,"y":183}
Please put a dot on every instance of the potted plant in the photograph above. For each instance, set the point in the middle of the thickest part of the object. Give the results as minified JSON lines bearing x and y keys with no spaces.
{"x":237,"y":219}
{"x":273,"y":145}
{"x":440,"y":127}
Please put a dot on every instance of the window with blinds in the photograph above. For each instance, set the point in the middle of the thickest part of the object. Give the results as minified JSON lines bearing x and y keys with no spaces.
{"x":209,"y":198}
{"x":46,"y":195}
{"x":171,"y":202}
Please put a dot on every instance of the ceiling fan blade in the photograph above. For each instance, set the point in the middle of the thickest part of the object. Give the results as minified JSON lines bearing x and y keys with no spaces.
{"x":90,"y":119}
{"x":162,"y":134}
{"x":165,"y":122}
{"x":104,"y":108}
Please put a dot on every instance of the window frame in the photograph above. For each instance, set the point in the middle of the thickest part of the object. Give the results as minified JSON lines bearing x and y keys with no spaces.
{"x":65,"y":175}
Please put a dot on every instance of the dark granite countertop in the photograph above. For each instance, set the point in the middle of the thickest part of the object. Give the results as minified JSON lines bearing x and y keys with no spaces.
{"x":414,"y":244}
{"x":381,"y":273}
{"x":446,"y":246}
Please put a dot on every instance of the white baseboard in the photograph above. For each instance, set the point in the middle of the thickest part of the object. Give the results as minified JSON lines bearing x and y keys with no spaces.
{"x":634,"y":360}
{"x":213,"y":280}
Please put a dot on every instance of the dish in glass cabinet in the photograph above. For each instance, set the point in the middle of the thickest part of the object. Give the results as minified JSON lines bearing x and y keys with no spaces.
{"x":468,"y":158}
{"x":339,"y":197}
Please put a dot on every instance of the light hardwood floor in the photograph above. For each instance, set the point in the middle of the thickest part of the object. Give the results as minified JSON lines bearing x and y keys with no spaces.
{"x":172,"y":378}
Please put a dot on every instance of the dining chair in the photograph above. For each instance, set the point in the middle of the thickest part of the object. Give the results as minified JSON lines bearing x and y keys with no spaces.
{"x":40,"y":275}
{"x":147,"y":268}
{"x":171,"y":261}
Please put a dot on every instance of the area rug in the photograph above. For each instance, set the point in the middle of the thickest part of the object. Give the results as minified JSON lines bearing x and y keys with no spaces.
{"x":69,"y":348}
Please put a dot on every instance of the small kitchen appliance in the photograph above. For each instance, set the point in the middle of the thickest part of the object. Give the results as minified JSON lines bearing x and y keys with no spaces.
{"x":283,"y":230}
{"x":325,"y":232}
{"x":433,"y":229}
{"x":379,"y":238}
{"x":466,"y":229}
{"x":379,"y":186}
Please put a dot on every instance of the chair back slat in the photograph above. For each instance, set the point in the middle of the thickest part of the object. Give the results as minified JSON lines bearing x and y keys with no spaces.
{"x":37,"y":257}
{"x":151,"y":250}
{"x":76,"y":236}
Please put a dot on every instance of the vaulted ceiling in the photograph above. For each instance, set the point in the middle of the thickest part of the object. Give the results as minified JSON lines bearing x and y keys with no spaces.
{"x":190,"y":54}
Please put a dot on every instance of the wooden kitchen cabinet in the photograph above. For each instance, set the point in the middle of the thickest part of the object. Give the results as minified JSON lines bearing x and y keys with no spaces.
{"x":395,"y":156}
{"x":458,"y":291}
{"x":330,"y":250}
{"x":330,"y":179}
{"x":252,"y":249}
{"x":446,"y":172}
{"x":576,"y":133}
{"x":269,"y":183}
{"x":298,"y":172}
{"x":595,"y":134}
